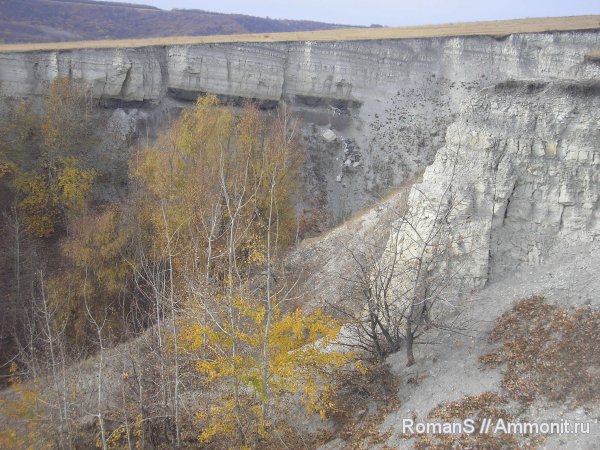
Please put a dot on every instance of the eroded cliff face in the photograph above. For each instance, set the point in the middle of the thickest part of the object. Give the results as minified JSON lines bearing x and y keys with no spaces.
{"x":524,"y":150}
{"x":388,"y":102}
{"x":517,"y":179}
{"x":355,"y":72}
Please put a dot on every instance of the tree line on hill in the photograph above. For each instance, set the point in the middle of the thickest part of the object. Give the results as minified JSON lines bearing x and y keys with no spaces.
{"x":58,"y":21}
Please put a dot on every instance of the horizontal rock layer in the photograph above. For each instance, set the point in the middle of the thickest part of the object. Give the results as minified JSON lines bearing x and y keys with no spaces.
{"x":389,"y":102}
{"x":357,"y":71}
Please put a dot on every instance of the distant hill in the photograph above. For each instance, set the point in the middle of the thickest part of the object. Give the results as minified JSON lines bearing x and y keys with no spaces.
{"x":76,"y":20}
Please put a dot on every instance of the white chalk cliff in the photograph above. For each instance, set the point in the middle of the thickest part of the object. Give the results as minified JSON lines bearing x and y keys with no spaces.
{"x":517,"y":114}
{"x":519,"y":175}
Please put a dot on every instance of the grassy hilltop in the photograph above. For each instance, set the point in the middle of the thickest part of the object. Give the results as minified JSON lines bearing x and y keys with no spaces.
{"x":497,"y":28}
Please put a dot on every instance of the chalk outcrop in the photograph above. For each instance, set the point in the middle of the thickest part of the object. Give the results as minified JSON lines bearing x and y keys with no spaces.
{"x":339,"y":71}
{"x":519,"y":177}
{"x":526,"y":149}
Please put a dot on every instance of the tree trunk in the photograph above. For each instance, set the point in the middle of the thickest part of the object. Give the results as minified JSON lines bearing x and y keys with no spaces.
{"x":410,"y":357}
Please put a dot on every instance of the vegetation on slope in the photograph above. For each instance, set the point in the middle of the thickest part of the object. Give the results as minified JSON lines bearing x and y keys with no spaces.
{"x":190,"y":259}
{"x":58,"y":21}
{"x":548,"y":353}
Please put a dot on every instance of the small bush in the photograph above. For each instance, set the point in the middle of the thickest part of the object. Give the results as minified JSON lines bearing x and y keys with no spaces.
{"x":364,"y":395}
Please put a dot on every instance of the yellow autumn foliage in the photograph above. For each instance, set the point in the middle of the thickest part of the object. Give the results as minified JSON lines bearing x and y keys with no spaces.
{"x":96,"y":252}
{"x":23,"y":424}
{"x":210,"y":213}
{"x":217,"y":191}
{"x":65,"y":126}
{"x":50,"y":193}
{"x":44,"y":153}
{"x":39,"y":202}
{"x":74,"y":185}
{"x":300,"y":361}
{"x":209,"y":151}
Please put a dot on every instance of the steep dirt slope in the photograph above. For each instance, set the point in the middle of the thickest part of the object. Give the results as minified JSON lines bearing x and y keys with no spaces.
{"x":451,"y":370}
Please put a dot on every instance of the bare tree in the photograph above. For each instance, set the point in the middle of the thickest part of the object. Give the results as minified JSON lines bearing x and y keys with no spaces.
{"x":98,"y":326}
{"x":407,"y":288}
{"x":43,"y":357}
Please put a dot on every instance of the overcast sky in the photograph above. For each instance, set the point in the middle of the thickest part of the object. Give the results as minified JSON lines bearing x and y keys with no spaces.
{"x":388,"y":12}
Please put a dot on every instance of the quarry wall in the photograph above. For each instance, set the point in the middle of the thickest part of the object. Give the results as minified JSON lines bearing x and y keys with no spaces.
{"x":521,"y":108}
{"x":349,"y":71}
{"x":517,"y":179}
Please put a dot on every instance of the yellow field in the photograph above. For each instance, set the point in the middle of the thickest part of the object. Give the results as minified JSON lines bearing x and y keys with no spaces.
{"x":492,"y":28}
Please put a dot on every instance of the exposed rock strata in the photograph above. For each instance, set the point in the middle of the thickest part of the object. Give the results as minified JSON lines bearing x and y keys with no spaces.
{"x":519,"y":174}
{"x":342,"y":71}
{"x":395,"y":99}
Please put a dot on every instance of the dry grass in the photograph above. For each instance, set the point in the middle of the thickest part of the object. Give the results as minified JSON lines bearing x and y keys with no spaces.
{"x":548,"y":353}
{"x":492,"y":28}
{"x":487,"y":405}
{"x":593,"y":56}
{"x":363,"y":396}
